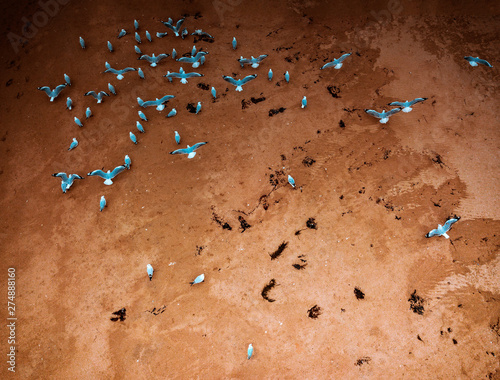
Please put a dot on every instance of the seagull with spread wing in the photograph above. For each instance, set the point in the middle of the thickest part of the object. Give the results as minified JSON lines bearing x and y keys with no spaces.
{"x":336,"y":63}
{"x":240,"y":82}
{"x":406,"y":106}
{"x":442,"y":230}
{"x":109,"y":175}
{"x":190,"y":150}
{"x":383,"y":116}
{"x":52,"y":93}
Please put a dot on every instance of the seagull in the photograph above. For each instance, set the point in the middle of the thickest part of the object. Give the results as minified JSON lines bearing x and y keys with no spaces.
{"x":255,"y":62}
{"x":150,"y":270}
{"x":153,"y":60}
{"x":148,"y":36}
{"x":102,"y":203}
{"x":138,"y":38}
{"x":291,"y":181}
{"x":287,"y":77}
{"x":174,"y":53}
{"x":214,"y":93}
{"x":109,"y":175}
{"x":407,"y":105}
{"x":52,"y":93}
{"x":128,"y":161}
{"x":119,"y":73}
{"x":196,"y":60}
{"x":78,"y":122}
{"x":336,"y":63}
{"x":159,"y":103}
{"x":139,"y":127}
{"x":175,"y":28}
{"x":442,"y":230}
{"x":198,"y":108}
{"x":234,"y":43}
{"x":82,"y":43}
{"x":304,"y":102}
{"x":199,"y":32}
{"x":142,"y":116}
{"x":193,"y":50}
{"x":122,"y":33}
{"x":182,"y":75}
{"x":98,"y":96}
{"x":190,"y":150}
{"x":173,"y":112}
{"x":110,"y":47}
{"x":74,"y":144}
{"x":88,"y":112}
{"x":137,"y":50}
{"x":249,"y":351}
{"x":66,"y":181}
{"x":177,"y":137}
{"x":184,"y":33}
{"x":141,"y":73}
{"x":474,"y":61}
{"x":67,"y":79}
{"x":198,"y":279}
{"x":69,"y":103}
{"x":107,"y":65}
{"x":270,"y":74}
{"x":383,"y":116}
{"x":161,"y":35}
{"x":133,"y":138}
{"x":240,"y":82}
{"x":136,"y":24}
{"x":111,"y":89}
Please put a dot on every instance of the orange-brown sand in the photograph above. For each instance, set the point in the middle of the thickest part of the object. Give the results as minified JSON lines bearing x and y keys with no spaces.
{"x":363,"y":294}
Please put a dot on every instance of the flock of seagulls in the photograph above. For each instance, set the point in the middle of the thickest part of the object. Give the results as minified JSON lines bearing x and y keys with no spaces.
{"x":196,"y":59}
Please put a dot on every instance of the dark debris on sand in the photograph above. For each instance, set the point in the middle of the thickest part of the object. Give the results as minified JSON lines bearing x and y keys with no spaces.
{"x":308,"y":161}
{"x":252,"y":100}
{"x":276,"y":111}
{"x":220,"y":222}
{"x":267,"y":288}
{"x":120,"y":315}
{"x":314,"y":312}
{"x":334,"y":91}
{"x":279,"y":251}
{"x":363,"y":360}
{"x":204,"y":86}
{"x":191,"y":107}
{"x":359,"y":294}
{"x":243,"y":224}
{"x":416,"y":303}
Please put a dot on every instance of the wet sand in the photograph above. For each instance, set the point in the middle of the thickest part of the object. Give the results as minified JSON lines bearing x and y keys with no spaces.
{"x":359,"y":292}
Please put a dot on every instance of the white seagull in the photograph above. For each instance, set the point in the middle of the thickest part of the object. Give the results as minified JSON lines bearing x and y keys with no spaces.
{"x":150,"y":271}
{"x":240,"y":82}
{"x":66,"y":181}
{"x":52,"y":93}
{"x":407,"y":105}
{"x":159,"y":103}
{"x":255,"y":62}
{"x":383,"y":116}
{"x":98,"y":96}
{"x":474,"y":61}
{"x":153,"y":60}
{"x":190,"y":150}
{"x":198,"y":279}
{"x":109,"y":175}
{"x":442,"y":230}
{"x":336,"y":63}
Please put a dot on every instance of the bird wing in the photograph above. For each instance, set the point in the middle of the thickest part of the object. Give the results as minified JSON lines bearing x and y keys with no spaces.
{"x":75,"y":176}
{"x":181,"y":151}
{"x":416,"y":100}
{"x":91,"y":93}
{"x":146,"y":57}
{"x":261,"y":57}
{"x":111,"y":70}
{"x":484,"y":62}
{"x":179,"y":23}
{"x":46,"y":89}
{"x":58,"y":89}
{"x":173,"y":75}
{"x":433,"y":233}
{"x":197,"y":145}
{"x":200,"y":54}
{"x":469,"y":58}
{"x":230,"y":80}
{"x":61,"y":175}
{"x":244,"y":60}
{"x":103,"y":93}
{"x":186,"y":59}
{"x":127,"y":69}
{"x":117,"y":170}
{"x":399,"y":104}
{"x":165,"y":99}
{"x":248,"y":78}
{"x":192,"y":75}
{"x":449,"y":223}
{"x":392,"y":112}
{"x":162,"y":56}
{"x":373,"y":113}
{"x":326,"y":65}
{"x":100,"y":173}
{"x":149,"y":103}
{"x":341,"y":59}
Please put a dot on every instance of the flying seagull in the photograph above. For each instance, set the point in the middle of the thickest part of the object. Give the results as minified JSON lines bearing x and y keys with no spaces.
{"x":122,"y":33}
{"x":190,"y":150}
{"x":176,"y":28}
{"x":109,"y":175}
{"x":150,"y":271}
{"x":442,"y":230}
{"x":119,"y":73}
{"x":153,"y":60}
{"x":197,"y":59}
{"x":474,"y":61}
{"x":240,"y":82}
{"x":74,"y":144}
{"x":249,"y":351}
{"x":291,"y":181}
{"x":201,"y":33}
{"x":66,"y":181}
{"x":407,"y":105}
{"x":69,"y":103}
{"x":182,"y":75}
{"x":128,"y":161}
{"x":52,"y":93}
{"x":159,"y":103}
{"x":336,"y":63}
{"x":102,"y":203}
{"x":255,"y":62}
{"x":98,"y":96}
{"x":67,"y":79}
{"x":198,"y":279}
{"x":383,"y":116}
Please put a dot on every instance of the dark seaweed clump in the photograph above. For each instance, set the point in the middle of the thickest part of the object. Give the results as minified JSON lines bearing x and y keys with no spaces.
{"x":314,"y":312}
{"x":243,"y":223}
{"x":120,"y":315}
{"x":416,"y":303}
{"x":308,"y":161}
{"x":276,"y":111}
{"x":311,"y":223}
{"x":203,"y":86}
{"x":191,"y":107}
{"x":278,"y":252}
{"x":359,"y":294}
{"x":266,"y":290}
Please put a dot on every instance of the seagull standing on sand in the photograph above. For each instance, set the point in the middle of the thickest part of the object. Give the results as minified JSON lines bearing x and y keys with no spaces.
{"x":287,"y":77}
{"x":137,"y":50}
{"x":383,"y":116}
{"x":82,"y":43}
{"x":198,"y":108}
{"x":249,"y":351}
{"x":69,"y":103}
{"x":148,"y":36}
{"x":52,"y":93}
{"x":291,"y":181}
{"x":111,"y":89}
{"x":133,"y":138}
{"x":128,"y":161}
{"x":240,"y":82}
{"x":67,"y":80}
{"x":141,"y":73}
{"x":74,"y":144}
{"x":442,"y":230}
{"x":142,"y":116}
{"x":474,"y":61}
{"x":136,"y":25}
{"x":150,"y":271}
{"x":99,"y":96}
{"x":177,"y":137}
{"x":161,"y":35}
{"x":110,"y":47}
{"x":122,"y":33}
{"x":173,"y":112}
{"x":190,"y":150}
{"x":140,"y":128}
{"x":214,"y":93}
{"x":235,"y":43}
{"x":304,"y":102}
{"x":102,"y":203}
{"x":66,"y":181}
{"x":78,"y":122}
{"x":138,"y":38}
{"x":270,"y":75}
{"x":198,"y":279}
{"x":407,"y":105}
{"x":109,"y":175}
{"x":336,"y":63}
{"x":88,"y":113}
